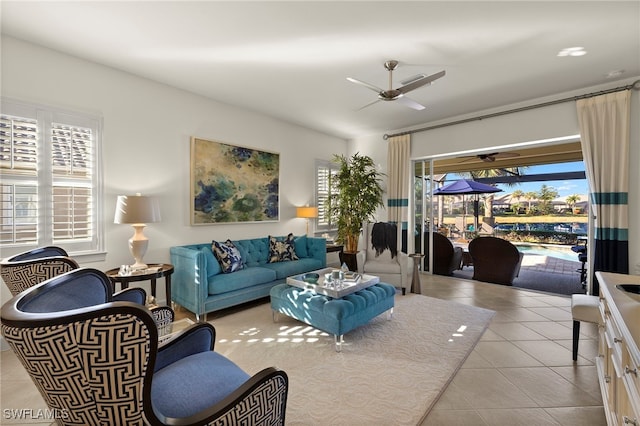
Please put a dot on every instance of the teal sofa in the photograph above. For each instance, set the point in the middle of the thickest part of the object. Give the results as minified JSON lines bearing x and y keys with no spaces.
{"x":199,"y":285}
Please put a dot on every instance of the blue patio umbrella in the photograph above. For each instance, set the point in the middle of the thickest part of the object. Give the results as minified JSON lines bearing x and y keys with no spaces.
{"x":467,"y":186}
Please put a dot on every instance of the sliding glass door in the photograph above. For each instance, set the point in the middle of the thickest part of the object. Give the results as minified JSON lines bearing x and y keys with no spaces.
{"x":425,"y":212}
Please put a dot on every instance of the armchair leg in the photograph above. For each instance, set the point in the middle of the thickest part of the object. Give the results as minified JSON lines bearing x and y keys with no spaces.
{"x":338,"y":341}
{"x":404,"y":291}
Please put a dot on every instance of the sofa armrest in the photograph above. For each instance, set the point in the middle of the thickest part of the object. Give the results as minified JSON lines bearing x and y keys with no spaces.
{"x":189,"y":280}
{"x":134,"y":294}
{"x":198,"y":338}
{"x":406,"y":268}
{"x":361,"y":257}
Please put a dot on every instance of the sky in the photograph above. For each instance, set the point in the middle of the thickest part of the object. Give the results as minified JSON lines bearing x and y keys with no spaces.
{"x":564,"y":188}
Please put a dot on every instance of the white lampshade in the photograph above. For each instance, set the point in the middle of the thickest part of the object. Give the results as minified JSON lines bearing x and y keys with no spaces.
{"x":137,"y":210}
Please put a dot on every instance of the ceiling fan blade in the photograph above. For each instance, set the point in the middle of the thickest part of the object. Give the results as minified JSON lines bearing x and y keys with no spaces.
{"x":421,"y":82}
{"x":369,"y":104}
{"x":410,"y":103}
{"x":367,"y":85}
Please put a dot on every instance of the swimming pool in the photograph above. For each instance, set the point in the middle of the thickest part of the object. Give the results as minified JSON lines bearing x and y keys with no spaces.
{"x":560,"y":252}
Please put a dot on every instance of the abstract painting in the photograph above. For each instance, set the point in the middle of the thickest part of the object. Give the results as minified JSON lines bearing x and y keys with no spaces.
{"x":233,"y":184}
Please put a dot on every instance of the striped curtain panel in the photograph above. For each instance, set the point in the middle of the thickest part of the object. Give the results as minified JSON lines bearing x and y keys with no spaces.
{"x":398,"y":173}
{"x":604,"y":131}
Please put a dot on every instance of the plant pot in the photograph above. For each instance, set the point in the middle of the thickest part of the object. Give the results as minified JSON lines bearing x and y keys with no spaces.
{"x":351,"y":244}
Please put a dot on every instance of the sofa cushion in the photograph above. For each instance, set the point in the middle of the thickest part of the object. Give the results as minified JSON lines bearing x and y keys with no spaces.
{"x":375,"y":266}
{"x":255,"y":251}
{"x":300,"y":266}
{"x":228,"y":256}
{"x":282,"y":250}
{"x":300,"y":244}
{"x":212,"y":265}
{"x":244,"y":278}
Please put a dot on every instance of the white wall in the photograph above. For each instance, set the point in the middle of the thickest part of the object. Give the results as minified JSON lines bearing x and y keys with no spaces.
{"x":147,"y":130}
{"x":548,"y":122}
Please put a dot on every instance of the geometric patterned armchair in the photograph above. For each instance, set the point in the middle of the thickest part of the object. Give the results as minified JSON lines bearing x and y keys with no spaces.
{"x":32,"y":267}
{"x":96,"y":361}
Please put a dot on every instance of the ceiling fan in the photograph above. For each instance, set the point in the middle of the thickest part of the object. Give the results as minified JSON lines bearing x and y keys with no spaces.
{"x":398,"y":94}
{"x":490,"y":158}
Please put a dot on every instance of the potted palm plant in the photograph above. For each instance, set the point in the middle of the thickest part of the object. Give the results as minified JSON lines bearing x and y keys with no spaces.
{"x":358,"y":194}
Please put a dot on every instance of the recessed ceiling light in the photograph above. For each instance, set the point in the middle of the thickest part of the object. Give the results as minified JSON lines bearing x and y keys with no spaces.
{"x":615,"y":73}
{"x":572,"y":51}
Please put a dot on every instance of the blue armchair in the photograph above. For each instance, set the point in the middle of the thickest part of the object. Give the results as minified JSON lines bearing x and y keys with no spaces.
{"x":99,"y":361}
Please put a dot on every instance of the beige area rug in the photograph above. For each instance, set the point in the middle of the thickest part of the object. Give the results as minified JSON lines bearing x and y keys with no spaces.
{"x":389,"y":371}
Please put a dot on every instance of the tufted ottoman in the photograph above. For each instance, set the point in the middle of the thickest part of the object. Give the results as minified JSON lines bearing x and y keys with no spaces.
{"x":335,"y":316}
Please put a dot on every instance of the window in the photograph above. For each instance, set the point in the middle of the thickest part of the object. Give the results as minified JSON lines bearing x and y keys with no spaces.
{"x":50,"y":182}
{"x":324,"y":171}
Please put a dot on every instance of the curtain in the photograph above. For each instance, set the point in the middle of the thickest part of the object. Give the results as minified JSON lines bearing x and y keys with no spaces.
{"x":398,"y":168}
{"x":604,"y":132}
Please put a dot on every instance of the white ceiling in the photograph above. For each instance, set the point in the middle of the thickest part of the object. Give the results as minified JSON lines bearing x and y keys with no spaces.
{"x":290,"y":60}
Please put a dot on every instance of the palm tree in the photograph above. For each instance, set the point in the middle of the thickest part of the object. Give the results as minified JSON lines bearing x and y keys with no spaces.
{"x":530,"y":196}
{"x":571,"y":200}
{"x":516,"y":195}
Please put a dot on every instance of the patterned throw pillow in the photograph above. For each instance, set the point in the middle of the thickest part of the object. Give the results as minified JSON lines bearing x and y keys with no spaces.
{"x":228,"y":256}
{"x":282,"y":250}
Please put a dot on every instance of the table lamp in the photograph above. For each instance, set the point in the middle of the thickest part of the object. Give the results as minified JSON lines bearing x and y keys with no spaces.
{"x":137,"y":210}
{"x":307,"y":212}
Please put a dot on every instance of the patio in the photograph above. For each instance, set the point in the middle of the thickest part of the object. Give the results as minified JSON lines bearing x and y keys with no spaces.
{"x":542,"y":273}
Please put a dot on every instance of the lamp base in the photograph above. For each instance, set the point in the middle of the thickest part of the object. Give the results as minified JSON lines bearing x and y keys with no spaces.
{"x":138,"y":246}
{"x":138,"y":266}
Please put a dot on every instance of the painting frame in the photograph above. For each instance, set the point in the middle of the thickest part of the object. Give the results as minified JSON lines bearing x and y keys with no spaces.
{"x":232,"y":184}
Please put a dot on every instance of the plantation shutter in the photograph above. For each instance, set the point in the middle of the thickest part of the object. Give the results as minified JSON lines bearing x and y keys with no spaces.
{"x":19,"y":188}
{"x":72,"y":166}
{"x":49,"y":182}
{"x":325,"y":170}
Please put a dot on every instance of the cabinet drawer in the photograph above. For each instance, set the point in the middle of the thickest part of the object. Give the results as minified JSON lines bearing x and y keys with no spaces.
{"x":615,"y":344}
{"x":632,"y":384}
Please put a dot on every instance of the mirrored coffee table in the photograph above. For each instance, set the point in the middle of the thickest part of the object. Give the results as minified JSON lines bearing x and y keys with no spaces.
{"x":352,"y":283}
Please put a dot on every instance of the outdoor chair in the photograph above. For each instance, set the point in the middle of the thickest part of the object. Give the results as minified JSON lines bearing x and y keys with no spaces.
{"x":495,"y":260}
{"x":379,"y":256}
{"x":24,"y":270}
{"x":98,"y":361}
{"x":446,"y":257}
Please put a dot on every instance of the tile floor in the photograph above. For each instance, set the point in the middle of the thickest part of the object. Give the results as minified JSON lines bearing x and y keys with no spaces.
{"x":520,"y":373}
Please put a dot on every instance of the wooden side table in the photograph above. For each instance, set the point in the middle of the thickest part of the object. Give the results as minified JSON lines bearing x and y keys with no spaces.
{"x":164,"y":270}
{"x":331,"y":248}
{"x":415,"y":282}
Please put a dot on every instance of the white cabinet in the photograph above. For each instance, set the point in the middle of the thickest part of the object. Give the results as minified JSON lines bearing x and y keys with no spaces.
{"x":618,"y":361}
